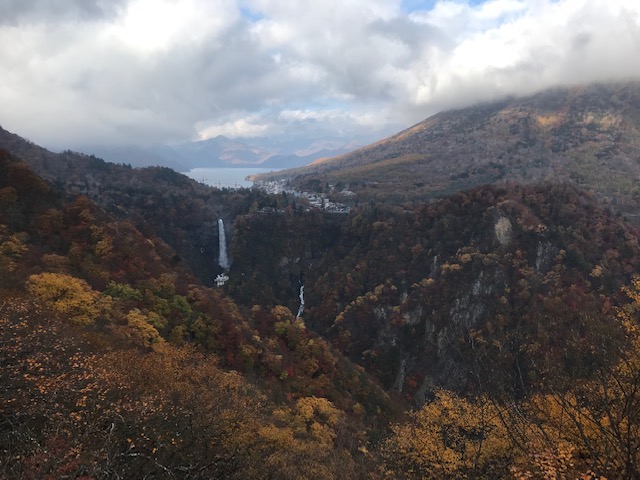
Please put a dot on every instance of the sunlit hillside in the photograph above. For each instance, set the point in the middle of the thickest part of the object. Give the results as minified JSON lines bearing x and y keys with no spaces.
{"x":588,"y":136}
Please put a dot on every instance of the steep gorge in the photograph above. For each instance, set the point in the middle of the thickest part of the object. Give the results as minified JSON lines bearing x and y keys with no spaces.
{"x":470,"y":291}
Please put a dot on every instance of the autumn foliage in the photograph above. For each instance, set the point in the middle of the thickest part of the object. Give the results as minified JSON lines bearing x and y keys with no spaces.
{"x":492,"y":334}
{"x":589,"y":431}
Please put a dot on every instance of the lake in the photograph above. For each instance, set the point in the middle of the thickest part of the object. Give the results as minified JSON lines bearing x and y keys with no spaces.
{"x":225,"y":177}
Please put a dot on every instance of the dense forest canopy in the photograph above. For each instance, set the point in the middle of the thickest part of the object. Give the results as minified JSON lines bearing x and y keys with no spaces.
{"x":489,"y":333}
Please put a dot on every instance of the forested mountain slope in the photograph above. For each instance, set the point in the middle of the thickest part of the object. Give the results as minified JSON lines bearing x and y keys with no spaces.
{"x":157,"y":200}
{"x":519,"y":278}
{"x":589,"y":136}
{"x":116,"y":362}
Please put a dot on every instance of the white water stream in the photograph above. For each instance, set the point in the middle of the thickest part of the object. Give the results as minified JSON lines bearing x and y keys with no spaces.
{"x":223,"y":259}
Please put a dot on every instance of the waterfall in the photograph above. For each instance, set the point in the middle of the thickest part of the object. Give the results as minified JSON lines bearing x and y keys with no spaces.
{"x":301,"y":309}
{"x":223,"y":260}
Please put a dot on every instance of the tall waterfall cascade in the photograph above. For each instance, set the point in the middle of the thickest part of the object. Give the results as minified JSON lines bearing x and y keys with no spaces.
{"x":301,"y":309}
{"x":223,"y":259}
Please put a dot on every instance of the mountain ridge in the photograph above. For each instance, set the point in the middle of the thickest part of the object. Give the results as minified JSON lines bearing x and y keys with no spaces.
{"x":220,"y":152}
{"x":588,"y":135}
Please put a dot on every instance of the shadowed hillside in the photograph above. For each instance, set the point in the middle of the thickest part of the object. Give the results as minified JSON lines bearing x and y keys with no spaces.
{"x":157,"y":200}
{"x":424,"y":296}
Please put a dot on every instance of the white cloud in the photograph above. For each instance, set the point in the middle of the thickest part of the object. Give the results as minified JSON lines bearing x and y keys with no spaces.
{"x":242,"y":127}
{"x":148,"y":25}
{"x":141,"y":71}
{"x":534,"y":45}
{"x":335,"y":116}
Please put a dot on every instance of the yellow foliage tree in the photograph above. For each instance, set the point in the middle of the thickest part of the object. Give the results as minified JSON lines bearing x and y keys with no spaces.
{"x":559,"y":463}
{"x":12,"y":247}
{"x":67,"y":295}
{"x":592,"y":431}
{"x":144,"y":332}
{"x":305,"y":442}
{"x":315,"y":418}
{"x":450,"y":437}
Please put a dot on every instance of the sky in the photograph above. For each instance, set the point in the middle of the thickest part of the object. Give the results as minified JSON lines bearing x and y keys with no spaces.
{"x":141,"y":72}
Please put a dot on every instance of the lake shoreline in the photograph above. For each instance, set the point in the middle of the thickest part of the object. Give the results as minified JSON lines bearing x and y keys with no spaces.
{"x":227,"y":177}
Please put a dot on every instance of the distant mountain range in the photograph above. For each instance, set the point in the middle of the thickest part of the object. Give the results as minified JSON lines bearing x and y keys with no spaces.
{"x":589,"y":136}
{"x":221,"y":151}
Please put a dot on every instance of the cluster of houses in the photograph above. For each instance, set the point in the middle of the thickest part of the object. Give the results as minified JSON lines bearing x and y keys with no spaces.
{"x":316,"y":200}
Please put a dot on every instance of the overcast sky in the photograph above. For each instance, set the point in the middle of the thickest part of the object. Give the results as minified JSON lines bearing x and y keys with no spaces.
{"x":79,"y":72}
